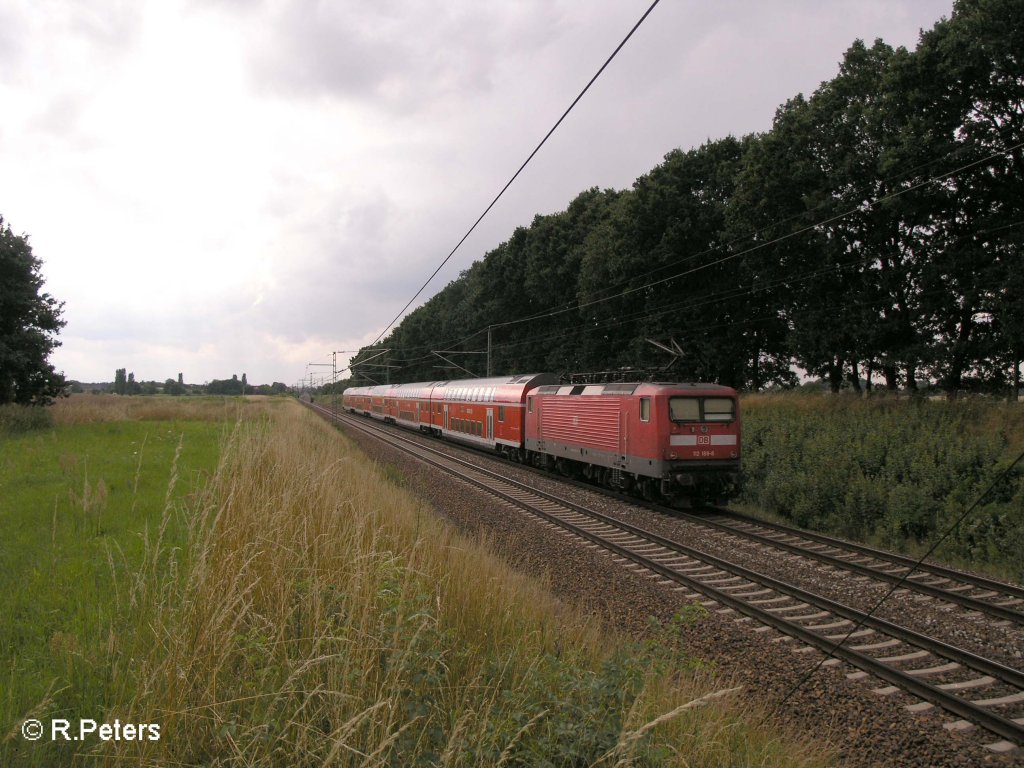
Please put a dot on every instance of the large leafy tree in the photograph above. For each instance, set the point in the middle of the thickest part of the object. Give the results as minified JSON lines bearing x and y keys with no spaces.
{"x":967,"y":79}
{"x":29,"y":323}
{"x":828,"y":232}
{"x":554,"y":249}
{"x":877,"y":227}
{"x":782,"y":191}
{"x":694,"y":292}
{"x":873,"y":240}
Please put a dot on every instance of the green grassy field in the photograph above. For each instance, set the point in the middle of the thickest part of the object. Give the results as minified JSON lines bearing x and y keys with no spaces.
{"x":264,"y":593}
{"x":892,"y":472}
{"x":78,"y":501}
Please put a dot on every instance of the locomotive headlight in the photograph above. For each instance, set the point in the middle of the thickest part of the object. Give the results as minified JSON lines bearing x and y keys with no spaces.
{"x":732,"y":454}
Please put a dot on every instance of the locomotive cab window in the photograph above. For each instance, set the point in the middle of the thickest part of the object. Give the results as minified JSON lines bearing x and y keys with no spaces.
{"x":645,"y":409}
{"x":718,"y":409}
{"x":684,"y":408}
{"x":529,"y":404}
{"x":702,"y":408}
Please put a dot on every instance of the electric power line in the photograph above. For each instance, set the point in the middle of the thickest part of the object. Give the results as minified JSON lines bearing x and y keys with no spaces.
{"x":903,"y":578}
{"x":870,"y":204}
{"x":521,"y":167}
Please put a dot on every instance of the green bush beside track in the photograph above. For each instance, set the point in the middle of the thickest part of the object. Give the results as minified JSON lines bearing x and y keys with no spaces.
{"x":892,"y":472}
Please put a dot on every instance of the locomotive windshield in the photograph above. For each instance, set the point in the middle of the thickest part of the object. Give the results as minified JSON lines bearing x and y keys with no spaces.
{"x":701,"y":408}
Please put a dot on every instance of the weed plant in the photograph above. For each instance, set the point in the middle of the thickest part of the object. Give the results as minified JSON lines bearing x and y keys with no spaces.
{"x":891,"y":472}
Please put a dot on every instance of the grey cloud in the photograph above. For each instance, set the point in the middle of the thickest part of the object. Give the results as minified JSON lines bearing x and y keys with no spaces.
{"x":455,"y":95}
{"x":61,"y":116}
{"x":401,"y":55}
{"x":315,"y":49}
{"x":10,"y":42}
{"x":360,"y":261}
{"x":368,"y":220}
{"x":111,"y":25}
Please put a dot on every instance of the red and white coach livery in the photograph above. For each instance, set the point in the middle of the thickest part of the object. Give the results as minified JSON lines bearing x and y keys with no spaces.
{"x":484,"y":412}
{"x":677,"y":442}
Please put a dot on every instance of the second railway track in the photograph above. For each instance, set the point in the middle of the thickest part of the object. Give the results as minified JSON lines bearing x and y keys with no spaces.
{"x":975,"y":593}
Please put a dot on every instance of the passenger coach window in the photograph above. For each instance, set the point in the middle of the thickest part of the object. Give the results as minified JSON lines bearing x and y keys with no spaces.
{"x":645,"y":409}
{"x":501,"y":413}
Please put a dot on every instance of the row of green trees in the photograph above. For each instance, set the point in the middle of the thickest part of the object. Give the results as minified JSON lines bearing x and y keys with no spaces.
{"x":125,"y":384}
{"x":236,"y":386}
{"x":874,"y":231}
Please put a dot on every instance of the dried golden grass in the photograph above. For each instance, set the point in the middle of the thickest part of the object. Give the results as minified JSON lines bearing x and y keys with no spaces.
{"x":89,"y":408}
{"x":322,"y":615}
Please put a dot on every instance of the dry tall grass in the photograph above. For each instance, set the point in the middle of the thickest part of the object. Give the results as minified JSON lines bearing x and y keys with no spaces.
{"x":322,"y":616}
{"x":84,"y":409}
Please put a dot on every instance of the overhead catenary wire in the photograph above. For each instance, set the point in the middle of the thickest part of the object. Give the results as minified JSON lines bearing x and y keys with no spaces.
{"x":889,"y":180}
{"x":725,"y":296}
{"x":692,"y":257}
{"x":520,"y":170}
{"x":705,"y":301}
{"x":767,"y":243}
{"x":758,"y":246}
{"x":669,"y":309}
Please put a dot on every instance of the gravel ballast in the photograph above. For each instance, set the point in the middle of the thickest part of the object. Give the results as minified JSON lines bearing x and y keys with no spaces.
{"x":866,"y":728}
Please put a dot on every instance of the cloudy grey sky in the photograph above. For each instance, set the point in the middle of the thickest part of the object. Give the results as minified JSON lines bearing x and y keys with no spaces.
{"x":228,"y":186}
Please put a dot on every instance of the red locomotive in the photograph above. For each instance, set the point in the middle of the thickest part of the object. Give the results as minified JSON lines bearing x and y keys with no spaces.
{"x":675,"y":442}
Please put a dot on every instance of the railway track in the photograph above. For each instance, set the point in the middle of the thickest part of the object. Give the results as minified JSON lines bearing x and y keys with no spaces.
{"x":1004,"y":603}
{"x":1001,"y":601}
{"x":969,"y":686}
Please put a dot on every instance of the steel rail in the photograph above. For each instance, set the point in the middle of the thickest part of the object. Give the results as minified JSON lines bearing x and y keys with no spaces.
{"x":971,"y":603}
{"x":925,"y":567}
{"x":909,"y":582}
{"x":989,"y":720}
